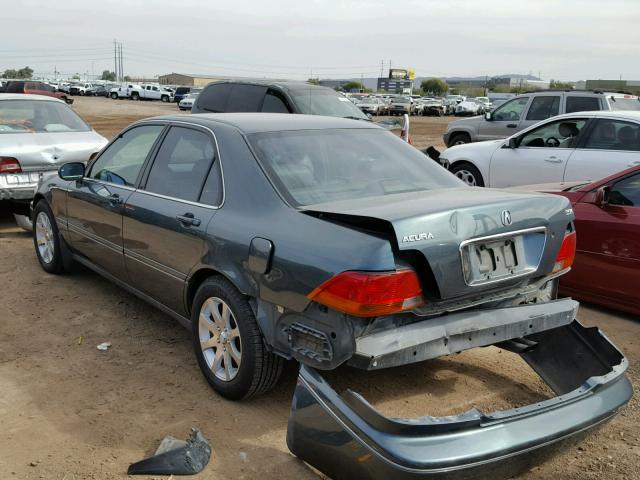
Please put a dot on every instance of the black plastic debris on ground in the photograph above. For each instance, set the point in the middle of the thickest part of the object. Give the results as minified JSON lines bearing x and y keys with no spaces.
{"x":176,"y":457}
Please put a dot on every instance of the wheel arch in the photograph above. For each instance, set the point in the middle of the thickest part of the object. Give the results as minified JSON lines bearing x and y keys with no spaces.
{"x":200,"y":275}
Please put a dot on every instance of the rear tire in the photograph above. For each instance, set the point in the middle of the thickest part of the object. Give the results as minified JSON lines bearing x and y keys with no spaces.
{"x":228,"y":343}
{"x":468,"y":173}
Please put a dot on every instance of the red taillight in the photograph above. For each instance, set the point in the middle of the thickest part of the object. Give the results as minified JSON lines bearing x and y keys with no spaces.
{"x":567,"y":253}
{"x":370,"y":294}
{"x":9,"y":165}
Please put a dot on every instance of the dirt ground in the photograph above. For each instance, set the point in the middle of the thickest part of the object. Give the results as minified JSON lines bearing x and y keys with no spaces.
{"x":70,"y":411}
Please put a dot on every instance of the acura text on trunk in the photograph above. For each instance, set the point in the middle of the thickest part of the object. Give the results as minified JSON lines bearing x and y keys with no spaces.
{"x":331,"y":241}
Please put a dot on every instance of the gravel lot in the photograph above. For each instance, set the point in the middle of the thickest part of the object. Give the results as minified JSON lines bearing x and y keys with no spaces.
{"x":72,"y":412}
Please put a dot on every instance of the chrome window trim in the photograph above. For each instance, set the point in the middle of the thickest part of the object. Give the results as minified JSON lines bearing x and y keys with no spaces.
{"x":102,"y":182}
{"x":498,"y":237}
{"x":189,"y":202}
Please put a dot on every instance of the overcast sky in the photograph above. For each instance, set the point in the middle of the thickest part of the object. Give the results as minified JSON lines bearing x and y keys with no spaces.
{"x":567,"y":40}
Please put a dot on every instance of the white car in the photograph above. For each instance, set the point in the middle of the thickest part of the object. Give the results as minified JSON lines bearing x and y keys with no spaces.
{"x":565,"y":148}
{"x":470,"y":106}
{"x":187,"y":101}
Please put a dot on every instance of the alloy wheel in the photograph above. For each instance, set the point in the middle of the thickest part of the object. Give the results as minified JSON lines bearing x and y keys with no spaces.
{"x":220,"y":339}
{"x":45,"y":237}
{"x":467,"y":177}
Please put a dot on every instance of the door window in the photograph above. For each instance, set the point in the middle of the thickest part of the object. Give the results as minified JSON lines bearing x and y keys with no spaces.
{"x":544,"y":107}
{"x":214,"y":98}
{"x":614,"y":135}
{"x":246,"y":98}
{"x":182,"y":164}
{"x":560,"y":134}
{"x":626,"y":192}
{"x":122,"y":161}
{"x":582,"y":104}
{"x":273,"y":103}
{"x":511,"y":110}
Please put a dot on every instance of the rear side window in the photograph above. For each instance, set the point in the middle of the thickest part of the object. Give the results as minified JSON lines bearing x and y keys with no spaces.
{"x":212,"y":190}
{"x":614,"y":135}
{"x":245,"y":98}
{"x":214,"y":98}
{"x":582,"y":104}
{"x":273,"y":103}
{"x":182,"y":164}
{"x":544,"y":107}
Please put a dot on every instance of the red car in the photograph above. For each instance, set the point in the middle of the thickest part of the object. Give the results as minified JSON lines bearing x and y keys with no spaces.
{"x":606,"y":270}
{"x":36,"y":88}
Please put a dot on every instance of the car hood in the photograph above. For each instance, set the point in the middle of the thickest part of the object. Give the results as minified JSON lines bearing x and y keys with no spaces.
{"x":473,"y":122}
{"x":472,"y":150}
{"x":436,"y":222}
{"x":38,"y":151}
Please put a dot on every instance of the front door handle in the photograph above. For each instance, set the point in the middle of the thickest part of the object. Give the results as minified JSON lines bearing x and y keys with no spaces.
{"x":188,"y":220}
{"x":512,"y":125}
{"x":114,"y":200}
{"x":553,"y":159}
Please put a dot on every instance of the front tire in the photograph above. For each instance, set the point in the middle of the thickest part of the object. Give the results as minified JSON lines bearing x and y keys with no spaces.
{"x":228,"y":343}
{"x":459,"y":139}
{"x":468,"y":173}
{"x":46,"y":239}
{"x":114,"y":95}
{"x":135,"y":96}
{"x":164,"y":99}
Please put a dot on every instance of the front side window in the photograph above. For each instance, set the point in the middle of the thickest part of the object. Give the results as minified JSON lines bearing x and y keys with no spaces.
{"x":511,"y":111}
{"x":122,"y":161}
{"x":560,"y":134}
{"x":318,"y":166}
{"x":626,"y":192}
{"x":182,"y":164}
{"x":544,"y":107}
{"x":582,"y":104}
{"x":614,"y":135}
{"x":37,"y":116}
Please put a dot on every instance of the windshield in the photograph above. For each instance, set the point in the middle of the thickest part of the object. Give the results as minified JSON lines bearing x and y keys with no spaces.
{"x":35,"y":116}
{"x":318,"y":101}
{"x":318,"y":166}
{"x":621,"y":103}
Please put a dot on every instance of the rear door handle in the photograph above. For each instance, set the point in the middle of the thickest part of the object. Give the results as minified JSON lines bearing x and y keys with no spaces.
{"x":512,"y":125}
{"x":553,"y":159}
{"x":188,"y":220}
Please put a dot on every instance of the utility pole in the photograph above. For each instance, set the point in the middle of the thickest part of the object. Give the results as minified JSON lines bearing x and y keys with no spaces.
{"x":115,"y":60}
{"x":121,"y":63}
{"x":381,"y":68}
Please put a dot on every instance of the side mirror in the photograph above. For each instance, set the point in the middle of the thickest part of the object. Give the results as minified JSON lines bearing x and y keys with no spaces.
{"x":71,"y":171}
{"x":513,"y":142}
{"x":601,"y":197}
{"x":487,"y":116}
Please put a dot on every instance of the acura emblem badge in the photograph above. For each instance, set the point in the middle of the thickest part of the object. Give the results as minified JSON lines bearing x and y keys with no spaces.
{"x":506,"y":217}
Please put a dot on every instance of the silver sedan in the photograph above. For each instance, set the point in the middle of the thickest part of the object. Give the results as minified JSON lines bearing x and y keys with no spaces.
{"x":37,"y":135}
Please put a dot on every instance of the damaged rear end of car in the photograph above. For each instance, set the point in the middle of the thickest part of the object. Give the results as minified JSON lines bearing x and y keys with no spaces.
{"x":409,"y":265}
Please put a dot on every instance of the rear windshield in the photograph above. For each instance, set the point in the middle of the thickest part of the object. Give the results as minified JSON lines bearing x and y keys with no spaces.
{"x":320,"y":101}
{"x":318,"y":166}
{"x":621,"y":103}
{"x":35,"y":116}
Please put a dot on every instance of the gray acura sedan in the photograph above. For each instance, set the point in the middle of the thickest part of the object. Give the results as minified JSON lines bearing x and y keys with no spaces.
{"x":331,"y":241}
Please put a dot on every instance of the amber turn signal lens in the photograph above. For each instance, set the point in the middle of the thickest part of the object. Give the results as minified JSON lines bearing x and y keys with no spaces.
{"x":567,"y":253}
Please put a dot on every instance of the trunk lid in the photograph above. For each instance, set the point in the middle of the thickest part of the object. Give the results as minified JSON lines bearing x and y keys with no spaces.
{"x":437,"y":223}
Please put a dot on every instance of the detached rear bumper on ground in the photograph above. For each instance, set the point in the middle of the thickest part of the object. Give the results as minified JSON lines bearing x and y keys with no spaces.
{"x":345,"y":437}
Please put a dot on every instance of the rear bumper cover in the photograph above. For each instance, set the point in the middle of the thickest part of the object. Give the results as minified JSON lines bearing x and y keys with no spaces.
{"x":345,"y":437}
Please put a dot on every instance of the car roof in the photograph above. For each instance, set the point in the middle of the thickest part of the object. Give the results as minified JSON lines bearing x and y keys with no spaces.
{"x":620,"y":114}
{"x":27,"y":96}
{"x":268,"y":122}
{"x":283,"y":84}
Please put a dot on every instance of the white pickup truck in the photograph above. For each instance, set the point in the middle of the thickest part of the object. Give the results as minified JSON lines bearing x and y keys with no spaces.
{"x":150,"y":91}
{"x":123,"y":91}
